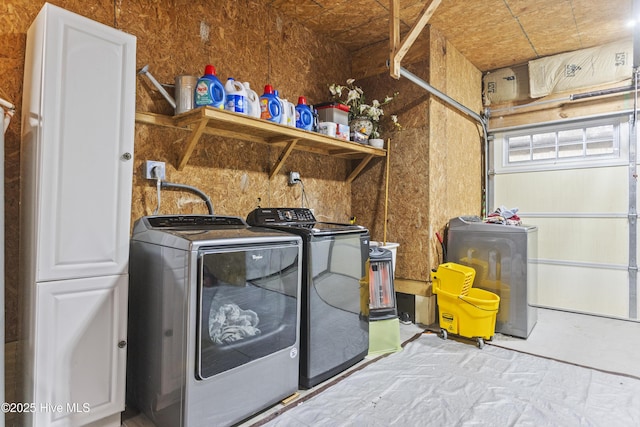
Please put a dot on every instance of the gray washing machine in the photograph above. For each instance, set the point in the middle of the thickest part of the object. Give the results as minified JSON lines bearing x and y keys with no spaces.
{"x":214,"y":314}
{"x":504,"y":258}
{"x":334,"y":331}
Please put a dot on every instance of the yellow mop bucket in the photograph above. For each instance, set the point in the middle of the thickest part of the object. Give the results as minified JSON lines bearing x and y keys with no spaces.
{"x":454,"y":278}
{"x":471,"y":315}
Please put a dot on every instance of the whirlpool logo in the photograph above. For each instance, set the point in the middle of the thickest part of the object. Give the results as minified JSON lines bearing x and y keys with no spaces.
{"x":256,"y":257}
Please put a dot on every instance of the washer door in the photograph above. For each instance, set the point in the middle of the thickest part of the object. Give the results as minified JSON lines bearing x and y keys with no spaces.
{"x":247,"y":306}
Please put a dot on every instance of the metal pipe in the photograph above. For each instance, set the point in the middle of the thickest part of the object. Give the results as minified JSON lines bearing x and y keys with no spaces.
{"x":602,"y":92}
{"x":633,"y":200}
{"x":145,"y":70}
{"x":204,"y":197}
{"x":447,"y":99}
{"x":7,"y":104}
{"x":417,"y":80}
{"x":6,"y":118}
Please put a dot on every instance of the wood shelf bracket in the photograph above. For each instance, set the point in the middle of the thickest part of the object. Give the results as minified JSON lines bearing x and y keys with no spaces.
{"x":356,"y":171}
{"x":284,"y":154}
{"x":193,"y":139}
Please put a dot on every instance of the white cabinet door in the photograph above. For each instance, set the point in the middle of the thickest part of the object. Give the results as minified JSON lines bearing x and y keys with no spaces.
{"x":81,"y":353}
{"x":83,"y":168}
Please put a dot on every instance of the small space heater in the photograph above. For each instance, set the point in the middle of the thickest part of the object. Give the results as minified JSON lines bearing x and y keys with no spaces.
{"x":384,"y":325}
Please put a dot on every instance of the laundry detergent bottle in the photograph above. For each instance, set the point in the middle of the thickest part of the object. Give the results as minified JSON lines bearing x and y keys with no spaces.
{"x":283,"y":108}
{"x":270,"y":106}
{"x":209,"y":90}
{"x":236,"y":96}
{"x":253,"y":101}
{"x":304,"y":116}
{"x":283,"y":117}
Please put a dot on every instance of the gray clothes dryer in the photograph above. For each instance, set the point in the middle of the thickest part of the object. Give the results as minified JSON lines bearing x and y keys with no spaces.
{"x":214,"y":314}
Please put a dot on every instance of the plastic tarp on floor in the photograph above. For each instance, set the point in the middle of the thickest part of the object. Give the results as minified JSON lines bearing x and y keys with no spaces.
{"x":435,"y":382}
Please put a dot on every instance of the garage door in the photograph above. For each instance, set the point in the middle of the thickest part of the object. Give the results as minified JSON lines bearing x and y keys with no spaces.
{"x":576,"y":182}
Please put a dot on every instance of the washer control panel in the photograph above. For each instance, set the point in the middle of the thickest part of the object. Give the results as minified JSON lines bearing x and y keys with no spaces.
{"x":266,"y":216}
{"x":204,"y":222}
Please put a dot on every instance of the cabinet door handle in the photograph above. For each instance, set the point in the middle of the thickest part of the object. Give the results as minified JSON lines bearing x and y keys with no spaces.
{"x":122,"y":344}
{"x":126,"y":156}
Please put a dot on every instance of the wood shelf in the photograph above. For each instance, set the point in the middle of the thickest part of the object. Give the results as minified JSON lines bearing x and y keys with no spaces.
{"x":213,"y":121}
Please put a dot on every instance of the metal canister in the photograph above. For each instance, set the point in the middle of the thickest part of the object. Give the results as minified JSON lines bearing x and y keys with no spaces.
{"x":185,"y":85}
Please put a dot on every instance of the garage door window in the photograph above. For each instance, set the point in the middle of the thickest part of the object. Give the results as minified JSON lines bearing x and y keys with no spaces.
{"x":597,"y":141}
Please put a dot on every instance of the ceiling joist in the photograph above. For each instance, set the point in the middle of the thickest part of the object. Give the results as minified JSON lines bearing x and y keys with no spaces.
{"x":399,"y":50}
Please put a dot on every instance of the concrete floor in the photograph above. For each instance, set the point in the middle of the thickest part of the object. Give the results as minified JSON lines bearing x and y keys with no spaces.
{"x":606,"y":344}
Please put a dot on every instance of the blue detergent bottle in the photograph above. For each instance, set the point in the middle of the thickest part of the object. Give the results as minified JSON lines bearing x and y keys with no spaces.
{"x":277,"y":95}
{"x":270,"y":106}
{"x":304,"y":116}
{"x":209,"y":90}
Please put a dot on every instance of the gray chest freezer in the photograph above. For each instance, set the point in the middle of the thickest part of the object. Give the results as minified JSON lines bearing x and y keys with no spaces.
{"x":504,"y":258}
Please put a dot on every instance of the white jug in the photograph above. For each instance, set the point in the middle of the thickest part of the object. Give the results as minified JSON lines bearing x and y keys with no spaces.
{"x":253,"y":101}
{"x":285,"y":111}
{"x":288,"y":113}
{"x":236,"y":96}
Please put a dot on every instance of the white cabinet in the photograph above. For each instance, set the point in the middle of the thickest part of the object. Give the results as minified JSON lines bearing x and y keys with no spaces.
{"x":80,"y":353}
{"x":76,"y":167}
{"x":80,"y":118}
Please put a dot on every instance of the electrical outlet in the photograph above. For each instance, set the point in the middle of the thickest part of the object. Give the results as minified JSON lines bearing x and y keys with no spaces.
{"x":159,"y":169}
{"x":294,"y":178}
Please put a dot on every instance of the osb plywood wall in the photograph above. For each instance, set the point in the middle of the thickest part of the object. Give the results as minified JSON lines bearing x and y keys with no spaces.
{"x":456,"y":151}
{"x":434,"y":161}
{"x":248,"y":41}
{"x":408,"y":189}
{"x":243,"y":39}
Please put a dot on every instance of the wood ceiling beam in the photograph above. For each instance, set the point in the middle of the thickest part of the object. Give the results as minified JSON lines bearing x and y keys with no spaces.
{"x":394,"y":39}
{"x":399,"y":50}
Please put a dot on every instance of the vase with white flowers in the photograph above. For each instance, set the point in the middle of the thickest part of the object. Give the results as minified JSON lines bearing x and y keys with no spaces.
{"x":364,"y":118}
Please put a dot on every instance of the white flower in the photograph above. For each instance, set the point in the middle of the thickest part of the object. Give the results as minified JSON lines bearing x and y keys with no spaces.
{"x":353,"y":95}
{"x":335,"y":90}
{"x":358,"y":105}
